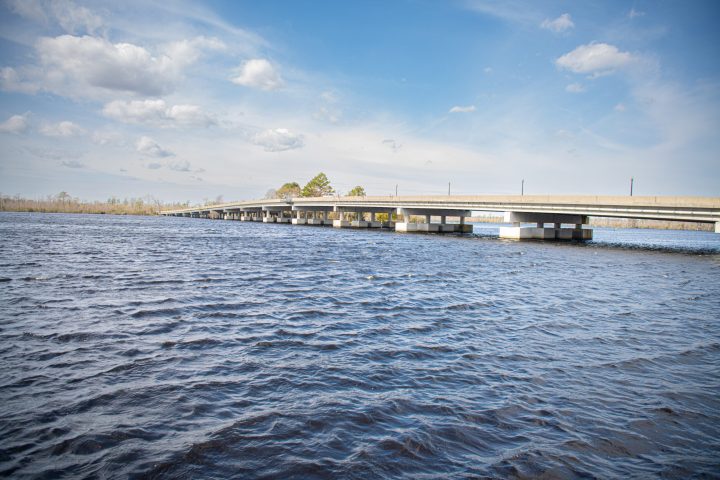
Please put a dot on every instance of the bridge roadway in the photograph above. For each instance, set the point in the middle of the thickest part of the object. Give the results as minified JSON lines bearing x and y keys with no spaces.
{"x":548,"y":213}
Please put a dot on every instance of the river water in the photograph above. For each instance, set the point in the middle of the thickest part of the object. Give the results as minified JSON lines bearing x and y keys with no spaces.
{"x":172,"y":347}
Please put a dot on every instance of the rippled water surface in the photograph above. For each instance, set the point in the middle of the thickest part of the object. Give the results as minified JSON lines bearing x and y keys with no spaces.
{"x":175,"y":347}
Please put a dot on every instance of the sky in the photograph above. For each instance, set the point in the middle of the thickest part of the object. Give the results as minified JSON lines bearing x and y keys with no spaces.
{"x":189,"y":101}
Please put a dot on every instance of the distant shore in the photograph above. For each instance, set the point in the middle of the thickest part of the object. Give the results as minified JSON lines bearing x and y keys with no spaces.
{"x":64,"y":203}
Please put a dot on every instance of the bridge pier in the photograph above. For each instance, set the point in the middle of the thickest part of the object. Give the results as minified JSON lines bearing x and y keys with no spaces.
{"x":717,"y":227}
{"x":302,"y":215}
{"x":298,"y":219}
{"x":428,"y":226}
{"x":540,"y":231}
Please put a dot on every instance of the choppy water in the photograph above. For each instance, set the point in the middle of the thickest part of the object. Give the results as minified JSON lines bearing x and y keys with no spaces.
{"x":172,"y":347}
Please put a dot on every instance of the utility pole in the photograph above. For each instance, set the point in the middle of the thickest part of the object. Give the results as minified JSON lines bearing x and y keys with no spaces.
{"x":396,"y":189}
{"x":522,"y":187}
{"x":448,"y":189}
{"x":632,"y":180}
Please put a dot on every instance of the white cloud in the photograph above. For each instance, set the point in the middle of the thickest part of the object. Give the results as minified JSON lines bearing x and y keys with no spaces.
{"x":149,"y":147}
{"x":328,"y":114}
{"x":619,"y":107}
{"x":30,"y":9}
{"x":635,"y":13}
{"x":91,"y":66}
{"x":16,"y":124}
{"x":157,"y":112}
{"x":62,"y":129}
{"x":329,"y":96}
{"x":258,"y":73}
{"x":12,"y":81}
{"x":595,"y":58}
{"x":392,"y":144}
{"x":74,"y":19}
{"x":179,"y":165}
{"x":488,"y":70}
{"x":559,"y":25}
{"x":72,"y":164}
{"x":68,"y":15}
{"x":575,"y":88}
{"x":460,"y":109}
{"x":105,"y":137}
{"x":278,"y":140}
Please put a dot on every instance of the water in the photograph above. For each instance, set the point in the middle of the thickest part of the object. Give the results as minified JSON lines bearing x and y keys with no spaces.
{"x":173,"y":347}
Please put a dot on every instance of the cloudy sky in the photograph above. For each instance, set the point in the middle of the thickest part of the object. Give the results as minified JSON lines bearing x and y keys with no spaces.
{"x":186,"y":101}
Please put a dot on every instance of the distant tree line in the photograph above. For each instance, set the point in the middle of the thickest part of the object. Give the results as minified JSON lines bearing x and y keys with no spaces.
{"x":65,"y":203}
{"x":318,"y":186}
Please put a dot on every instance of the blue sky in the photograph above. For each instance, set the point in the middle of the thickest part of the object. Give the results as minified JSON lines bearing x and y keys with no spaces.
{"x":189,"y":101}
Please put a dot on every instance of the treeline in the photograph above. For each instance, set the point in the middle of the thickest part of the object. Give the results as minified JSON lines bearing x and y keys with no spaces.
{"x":64,"y":203}
{"x":318,"y":186}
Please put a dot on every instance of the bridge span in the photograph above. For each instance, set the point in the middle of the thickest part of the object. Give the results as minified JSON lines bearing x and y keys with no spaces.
{"x":553,"y":217}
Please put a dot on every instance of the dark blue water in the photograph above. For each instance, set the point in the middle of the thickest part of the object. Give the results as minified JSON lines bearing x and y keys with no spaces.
{"x":174,"y":347}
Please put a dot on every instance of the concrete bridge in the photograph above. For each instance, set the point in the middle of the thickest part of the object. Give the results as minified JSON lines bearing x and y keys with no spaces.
{"x":553,"y":217}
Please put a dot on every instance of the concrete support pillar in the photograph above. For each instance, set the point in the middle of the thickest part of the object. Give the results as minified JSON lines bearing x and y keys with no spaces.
{"x":428,"y":218}
{"x":341,"y":222}
{"x":540,"y":225}
{"x":557,"y":225}
{"x":717,"y":227}
{"x":443,"y":219}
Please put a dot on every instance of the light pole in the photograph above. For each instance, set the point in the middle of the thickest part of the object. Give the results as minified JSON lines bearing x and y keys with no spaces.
{"x":522,"y":187}
{"x":632,"y":180}
{"x":448,"y":189}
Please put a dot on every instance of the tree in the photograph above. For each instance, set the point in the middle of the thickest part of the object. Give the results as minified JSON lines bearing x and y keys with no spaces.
{"x":272,"y":193}
{"x":357,"y":192}
{"x":289,"y":190}
{"x":319,"y":186}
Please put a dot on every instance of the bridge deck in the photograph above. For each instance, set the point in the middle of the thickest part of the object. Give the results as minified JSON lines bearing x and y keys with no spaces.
{"x":692,"y":209}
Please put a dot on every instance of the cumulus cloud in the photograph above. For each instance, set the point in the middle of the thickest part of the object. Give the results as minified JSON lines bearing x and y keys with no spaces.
{"x":595,"y":58}
{"x":62,"y":129}
{"x":575,"y":88}
{"x":278,"y":140}
{"x":258,"y":73}
{"x":561,"y":24}
{"x":13,"y":81}
{"x":16,"y":124}
{"x":149,"y":147}
{"x":460,"y":109}
{"x":87,"y":66}
{"x":157,"y":112}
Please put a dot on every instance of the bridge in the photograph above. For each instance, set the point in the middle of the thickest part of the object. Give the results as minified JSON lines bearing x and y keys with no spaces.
{"x":553,"y":217}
